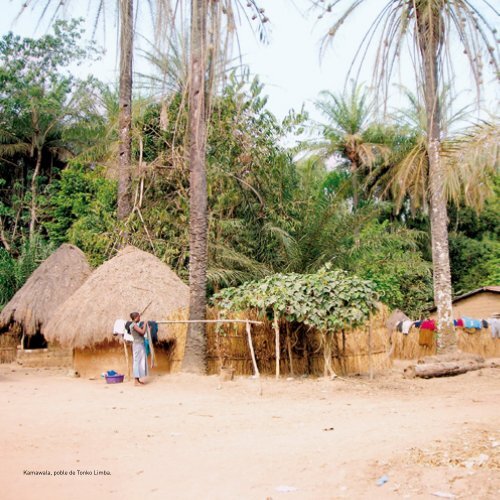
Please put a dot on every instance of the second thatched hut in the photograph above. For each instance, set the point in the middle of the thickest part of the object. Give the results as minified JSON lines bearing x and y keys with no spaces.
{"x":132,"y":281}
{"x":24,"y":318}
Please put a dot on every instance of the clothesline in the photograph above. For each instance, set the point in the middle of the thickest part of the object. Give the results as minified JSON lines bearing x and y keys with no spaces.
{"x":252,"y":322}
{"x":119,"y":328}
{"x":464,"y":322}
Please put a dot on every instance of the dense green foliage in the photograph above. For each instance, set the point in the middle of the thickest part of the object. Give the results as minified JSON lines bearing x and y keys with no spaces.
{"x":475,"y":247}
{"x":274,"y":220}
{"x":80,"y":209}
{"x":329,"y":300}
{"x":15,"y":271}
{"x":44,"y":114}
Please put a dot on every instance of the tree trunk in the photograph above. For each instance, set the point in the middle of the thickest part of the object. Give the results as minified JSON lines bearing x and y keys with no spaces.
{"x":3,"y":238}
{"x":125,"y":117}
{"x":195,"y":353}
{"x":354,"y":183}
{"x":276,"y":326}
{"x":430,"y":44}
{"x":327,"y":354}
{"x":448,"y":368}
{"x":34,"y":193}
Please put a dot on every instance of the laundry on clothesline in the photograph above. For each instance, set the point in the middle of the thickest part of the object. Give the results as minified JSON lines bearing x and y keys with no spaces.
{"x":119,"y":327}
{"x":471,"y":325}
{"x":495,"y":327}
{"x":428,"y":324}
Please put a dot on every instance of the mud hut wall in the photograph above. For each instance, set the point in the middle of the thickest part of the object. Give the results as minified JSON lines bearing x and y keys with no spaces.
{"x":8,"y":346}
{"x":92,"y":362}
{"x":54,"y":356}
{"x":473,"y":341}
{"x":481,"y":305}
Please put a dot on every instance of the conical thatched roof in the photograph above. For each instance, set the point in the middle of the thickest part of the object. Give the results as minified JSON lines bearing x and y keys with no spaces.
{"x":56,"y":279}
{"x":132,"y":281}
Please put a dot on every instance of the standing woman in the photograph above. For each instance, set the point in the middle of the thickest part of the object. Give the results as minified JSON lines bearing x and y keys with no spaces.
{"x":140,"y":360}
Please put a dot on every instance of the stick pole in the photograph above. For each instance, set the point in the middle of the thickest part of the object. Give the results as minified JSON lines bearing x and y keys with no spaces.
{"x":126,"y":358}
{"x":250,"y":344}
{"x":277,"y":343}
{"x":370,"y":347}
{"x":289,"y":348}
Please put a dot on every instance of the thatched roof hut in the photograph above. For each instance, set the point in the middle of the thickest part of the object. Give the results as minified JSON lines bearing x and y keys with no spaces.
{"x":56,"y":279}
{"x":132,"y":281}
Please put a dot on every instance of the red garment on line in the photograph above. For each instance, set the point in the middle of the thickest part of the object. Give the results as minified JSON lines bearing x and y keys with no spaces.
{"x":428,"y":324}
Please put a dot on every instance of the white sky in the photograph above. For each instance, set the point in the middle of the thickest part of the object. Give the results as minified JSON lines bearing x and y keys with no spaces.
{"x":289,"y":65}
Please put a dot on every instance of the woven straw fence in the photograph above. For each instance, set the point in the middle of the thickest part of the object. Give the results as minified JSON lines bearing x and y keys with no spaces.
{"x":301,"y":350}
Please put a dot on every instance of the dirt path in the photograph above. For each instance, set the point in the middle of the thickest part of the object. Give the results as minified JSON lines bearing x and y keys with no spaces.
{"x":188,"y":437}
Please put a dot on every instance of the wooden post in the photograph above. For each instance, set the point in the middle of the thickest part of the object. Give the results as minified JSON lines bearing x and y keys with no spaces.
{"x":252,"y":352}
{"x":327,"y":356}
{"x":289,"y":348}
{"x":217,"y":347}
{"x":126,"y":358}
{"x":370,"y":347}
{"x":277,"y":343}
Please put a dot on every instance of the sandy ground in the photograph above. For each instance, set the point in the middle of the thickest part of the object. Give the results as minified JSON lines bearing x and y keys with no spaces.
{"x":190,"y":437}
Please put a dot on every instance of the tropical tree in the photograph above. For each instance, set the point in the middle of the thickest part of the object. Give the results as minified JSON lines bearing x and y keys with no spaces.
{"x":39,"y":103}
{"x":430,"y":24}
{"x":194,"y":358}
{"x":470,"y":161}
{"x":350,"y":133}
{"x":204,"y":14}
{"x":124,"y":205}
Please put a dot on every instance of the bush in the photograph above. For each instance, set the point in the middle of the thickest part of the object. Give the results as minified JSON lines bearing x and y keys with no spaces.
{"x":15,"y":271}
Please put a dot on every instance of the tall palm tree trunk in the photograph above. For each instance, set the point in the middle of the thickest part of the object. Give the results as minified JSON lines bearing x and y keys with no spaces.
{"x":430,"y":32}
{"x":354,"y":179}
{"x":194,"y":356}
{"x":34,"y":192}
{"x":125,"y":117}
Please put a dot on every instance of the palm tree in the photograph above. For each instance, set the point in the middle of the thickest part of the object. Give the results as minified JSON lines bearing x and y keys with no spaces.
{"x":430,"y":24}
{"x":124,"y":205}
{"x":469,"y":161}
{"x":349,"y":133}
{"x":194,"y":357}
{"x":203,"y":55}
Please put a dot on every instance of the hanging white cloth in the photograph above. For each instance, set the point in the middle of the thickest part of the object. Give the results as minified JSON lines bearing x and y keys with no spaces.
{"x":119,"y":327}
{"x":405,"y":327}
